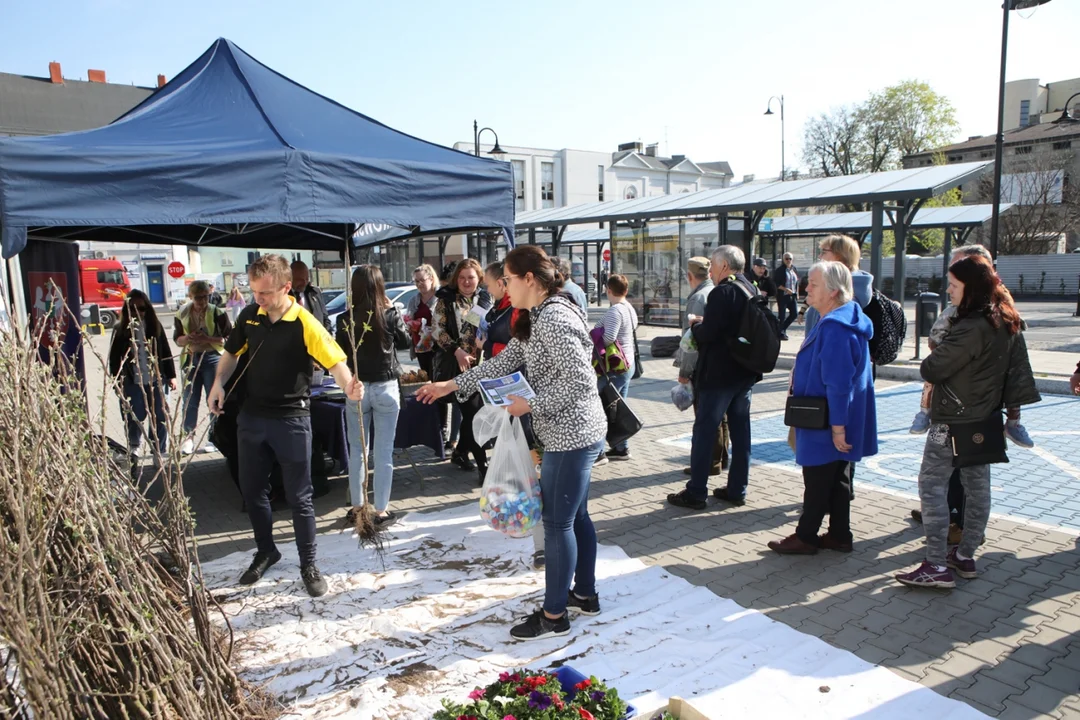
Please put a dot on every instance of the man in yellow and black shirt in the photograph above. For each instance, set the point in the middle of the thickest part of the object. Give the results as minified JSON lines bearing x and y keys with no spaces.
{"x":280,"y":339}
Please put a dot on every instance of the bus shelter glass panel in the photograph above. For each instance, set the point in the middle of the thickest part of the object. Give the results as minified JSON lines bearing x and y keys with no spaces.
{"x":648,"y":254}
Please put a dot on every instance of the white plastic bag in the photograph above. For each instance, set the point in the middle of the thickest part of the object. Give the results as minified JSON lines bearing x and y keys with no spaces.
{"x":682,"y":395}
{"x":510,"y":498}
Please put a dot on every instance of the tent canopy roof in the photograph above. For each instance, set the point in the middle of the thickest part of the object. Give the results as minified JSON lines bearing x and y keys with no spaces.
{"x":232,"y":153}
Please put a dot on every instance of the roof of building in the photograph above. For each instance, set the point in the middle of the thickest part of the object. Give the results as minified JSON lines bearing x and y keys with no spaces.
{"x":1044,"y":132}
{"x":892,"y":186}
{"x":959,"y":216}
{"x":665,"y":163}
{"x":36,"y":106}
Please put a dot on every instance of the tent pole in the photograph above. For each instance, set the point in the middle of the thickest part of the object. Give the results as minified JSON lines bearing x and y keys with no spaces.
{"x":599,"y":270}
{"x":945,"y":253}
{"x":15,"y":291}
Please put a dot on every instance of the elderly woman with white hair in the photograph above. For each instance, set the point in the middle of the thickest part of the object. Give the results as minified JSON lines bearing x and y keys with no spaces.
{"x":832,"y":375}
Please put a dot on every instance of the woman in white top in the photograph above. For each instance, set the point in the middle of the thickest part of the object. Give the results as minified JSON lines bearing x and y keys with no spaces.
{"x":619,"y":324}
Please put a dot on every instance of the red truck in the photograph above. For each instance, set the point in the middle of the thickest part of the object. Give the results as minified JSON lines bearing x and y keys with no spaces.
{"x":105,"y":283}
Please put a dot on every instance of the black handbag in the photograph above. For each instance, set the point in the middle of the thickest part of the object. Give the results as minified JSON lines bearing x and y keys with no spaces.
{"x":978,"y":443}
{"x":622,"y":422}
{"x":808,"y":413}
{"x":638,"y":370}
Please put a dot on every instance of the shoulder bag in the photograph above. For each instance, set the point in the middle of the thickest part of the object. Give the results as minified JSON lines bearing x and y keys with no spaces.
{"x":978,"y":443}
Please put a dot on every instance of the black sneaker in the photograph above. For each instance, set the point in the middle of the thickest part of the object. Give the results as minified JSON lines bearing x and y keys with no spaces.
{"x":539,"y":560}
{"x":585,"y":606}
{"x":619,"y":455}
{"x":601,"y":459}
{"x":538,"y":626}
{"x":462,"y":461}
{"x":385,"y":521}
{"x":313,"y":580}
{"x":259,"y":565}
{"x":684,"y":499}
{"x":721,"y":494}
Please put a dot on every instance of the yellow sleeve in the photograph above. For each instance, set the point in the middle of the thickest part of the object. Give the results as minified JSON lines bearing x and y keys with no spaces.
{"x":320,"y":345}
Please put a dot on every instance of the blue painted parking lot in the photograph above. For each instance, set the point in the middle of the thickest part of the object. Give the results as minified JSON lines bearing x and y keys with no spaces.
{"x":1039,"y":485}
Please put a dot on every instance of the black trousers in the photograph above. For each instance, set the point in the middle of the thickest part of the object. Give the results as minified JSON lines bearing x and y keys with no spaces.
{"x":261,"y":441}
{"x":427,"y":364}
{"x":826,"y":491}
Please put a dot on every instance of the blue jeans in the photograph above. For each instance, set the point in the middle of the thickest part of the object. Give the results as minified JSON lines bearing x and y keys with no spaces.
{"x":711,"y":407}
{"x":621,"y":383}
{"x":381,"y":403}
{"x":569,"y":535}
{"x":199,"y":379}
{"x":138,"y":396}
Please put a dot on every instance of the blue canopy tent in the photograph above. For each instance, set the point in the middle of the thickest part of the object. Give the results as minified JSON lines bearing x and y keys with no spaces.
{"x":231,"y":153}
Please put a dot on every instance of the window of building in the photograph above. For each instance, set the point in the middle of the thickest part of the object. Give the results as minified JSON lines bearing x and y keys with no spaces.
{"x":518,"y":166}
{"x":1025,"y":113}
{"x":956,"y":158}
{"x":986,"y":154}
{"x":226,"y":260}
{"x":547,"y":184}
{"x":1026,"y":150}
{"x":1063,"y":145}
{"x":600,"y":183}
{"x":630,"y":193}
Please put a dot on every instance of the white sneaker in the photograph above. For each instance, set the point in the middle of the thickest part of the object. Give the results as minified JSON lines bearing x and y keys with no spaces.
{"x":209,"y":447}
{"x":188,"y":447}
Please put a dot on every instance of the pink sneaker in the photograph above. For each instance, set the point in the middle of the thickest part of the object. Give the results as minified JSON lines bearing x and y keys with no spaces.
{"x":927,"y":576}
{"x":964,"y":568}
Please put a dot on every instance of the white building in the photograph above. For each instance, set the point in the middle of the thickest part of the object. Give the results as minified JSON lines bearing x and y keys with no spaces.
{"x":559,"y":178}
{"x":1029,"y":103}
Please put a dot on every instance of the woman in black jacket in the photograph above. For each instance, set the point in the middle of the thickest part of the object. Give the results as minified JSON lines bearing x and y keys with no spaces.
{"x":459,"y":312}
{"x":371,"y":354}
{"x":141,"y":360}
{"x":979,"y":367}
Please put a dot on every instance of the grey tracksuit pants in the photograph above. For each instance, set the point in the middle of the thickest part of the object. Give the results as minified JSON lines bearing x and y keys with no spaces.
{"x":933,"y":490}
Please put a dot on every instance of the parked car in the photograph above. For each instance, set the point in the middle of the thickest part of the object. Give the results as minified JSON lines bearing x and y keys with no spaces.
{"x":400,"y":293}
{"x":329,"y":295}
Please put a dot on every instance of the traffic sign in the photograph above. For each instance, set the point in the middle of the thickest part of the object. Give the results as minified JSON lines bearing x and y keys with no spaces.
{"x":176,"y":270}
{"x":607,"y":255}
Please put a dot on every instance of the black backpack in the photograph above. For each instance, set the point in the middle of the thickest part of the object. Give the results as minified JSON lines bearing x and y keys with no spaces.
{"x":757,"y":346}
{"x":890,"y":327}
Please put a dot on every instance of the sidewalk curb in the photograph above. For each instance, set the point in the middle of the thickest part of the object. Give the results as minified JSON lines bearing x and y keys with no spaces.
{"x":908,"y":373}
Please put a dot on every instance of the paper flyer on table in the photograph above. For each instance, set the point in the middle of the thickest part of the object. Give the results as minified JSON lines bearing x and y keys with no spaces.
{"x":498,"y":390}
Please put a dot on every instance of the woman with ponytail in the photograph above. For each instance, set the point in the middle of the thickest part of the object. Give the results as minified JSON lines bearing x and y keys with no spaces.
{"x":551,"y":340}
{"x":980,"y":367}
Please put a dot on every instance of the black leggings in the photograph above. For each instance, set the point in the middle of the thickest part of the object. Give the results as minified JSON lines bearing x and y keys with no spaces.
{"x":467,"y":442}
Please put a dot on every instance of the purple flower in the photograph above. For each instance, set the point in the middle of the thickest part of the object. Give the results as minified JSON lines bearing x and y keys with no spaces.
{"x":539,"y":701}
{"x":598,"y":696}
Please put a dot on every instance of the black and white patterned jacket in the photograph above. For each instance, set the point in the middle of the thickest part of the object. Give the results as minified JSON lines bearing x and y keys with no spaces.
{"x":567,"y":414}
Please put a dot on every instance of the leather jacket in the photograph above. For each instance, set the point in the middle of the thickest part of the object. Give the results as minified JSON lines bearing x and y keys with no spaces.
{"x":375,"y":362}
{"x":977,"y":370}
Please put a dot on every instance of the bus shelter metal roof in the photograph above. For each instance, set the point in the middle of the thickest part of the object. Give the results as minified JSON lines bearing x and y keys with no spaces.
{"x":962,"y":216}
{"x":893,"y":187}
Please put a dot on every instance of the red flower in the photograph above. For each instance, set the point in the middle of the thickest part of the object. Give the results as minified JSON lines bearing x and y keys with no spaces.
{"x":585,"y":714}
{"x":523,"y":690}
{"x":476,"y":694}
{"x":558,"y":702}
{"x":583,"y":685}
{"x":504,"y":677}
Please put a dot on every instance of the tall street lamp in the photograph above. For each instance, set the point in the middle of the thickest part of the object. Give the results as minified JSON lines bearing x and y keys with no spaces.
{"x":497,"y":151}
{"x":768,"y":111}
{"x":999,"y":141}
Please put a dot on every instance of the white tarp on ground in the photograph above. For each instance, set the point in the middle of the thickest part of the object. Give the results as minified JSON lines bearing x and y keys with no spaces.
{"x":390,"y":643}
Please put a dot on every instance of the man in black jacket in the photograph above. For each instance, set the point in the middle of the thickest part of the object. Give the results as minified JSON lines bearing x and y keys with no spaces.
{"x":787,"y":294}
{"x":309,"y":296}
{"x":761,"y":279}
{"x":722,"y":385}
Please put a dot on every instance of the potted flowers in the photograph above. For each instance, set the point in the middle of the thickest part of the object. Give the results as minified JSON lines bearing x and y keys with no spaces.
{"x":529,"y":695}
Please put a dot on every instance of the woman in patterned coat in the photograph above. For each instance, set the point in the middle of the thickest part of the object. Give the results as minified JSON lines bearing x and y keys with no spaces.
{"x":552,"y":341}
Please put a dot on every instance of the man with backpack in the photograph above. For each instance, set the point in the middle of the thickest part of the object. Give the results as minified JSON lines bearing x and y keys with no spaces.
{"x":738,"y":340}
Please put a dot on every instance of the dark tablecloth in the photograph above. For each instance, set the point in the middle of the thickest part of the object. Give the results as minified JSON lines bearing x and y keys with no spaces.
{"x":418,"y":424}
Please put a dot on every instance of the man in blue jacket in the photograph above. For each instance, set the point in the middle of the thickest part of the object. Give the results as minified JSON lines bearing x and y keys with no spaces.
{"x":722,"y":385}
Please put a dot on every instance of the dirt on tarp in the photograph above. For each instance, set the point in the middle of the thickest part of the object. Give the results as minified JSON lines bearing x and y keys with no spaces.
{"x":410,"y":677}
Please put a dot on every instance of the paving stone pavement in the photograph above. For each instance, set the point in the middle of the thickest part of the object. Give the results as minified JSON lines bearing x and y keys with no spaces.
{"x":1007,"y":643}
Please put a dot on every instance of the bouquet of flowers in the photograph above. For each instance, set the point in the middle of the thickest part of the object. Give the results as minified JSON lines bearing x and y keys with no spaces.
{"x":528,"y":695}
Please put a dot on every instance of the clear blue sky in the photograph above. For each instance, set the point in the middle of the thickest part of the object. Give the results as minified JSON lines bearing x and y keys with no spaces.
{"x":585,"y":75}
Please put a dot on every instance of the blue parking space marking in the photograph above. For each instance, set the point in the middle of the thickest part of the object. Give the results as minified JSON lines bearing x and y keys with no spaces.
{"x":1040,"y":485}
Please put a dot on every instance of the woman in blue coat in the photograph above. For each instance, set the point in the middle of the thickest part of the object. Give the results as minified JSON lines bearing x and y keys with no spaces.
{"x":833,"y":363}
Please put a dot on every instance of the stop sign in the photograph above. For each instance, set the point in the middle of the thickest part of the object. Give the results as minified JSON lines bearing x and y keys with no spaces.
{"x":607,"y":256}
{"x":176,"y":269}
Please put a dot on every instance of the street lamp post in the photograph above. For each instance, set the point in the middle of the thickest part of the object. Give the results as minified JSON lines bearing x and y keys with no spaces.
{"x":783,"y":137}
{"x":497,"y":151}
{"x":999,"y":140}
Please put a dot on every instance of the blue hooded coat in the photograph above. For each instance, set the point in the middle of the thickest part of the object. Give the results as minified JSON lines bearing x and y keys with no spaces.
{"x":834,"y":362}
